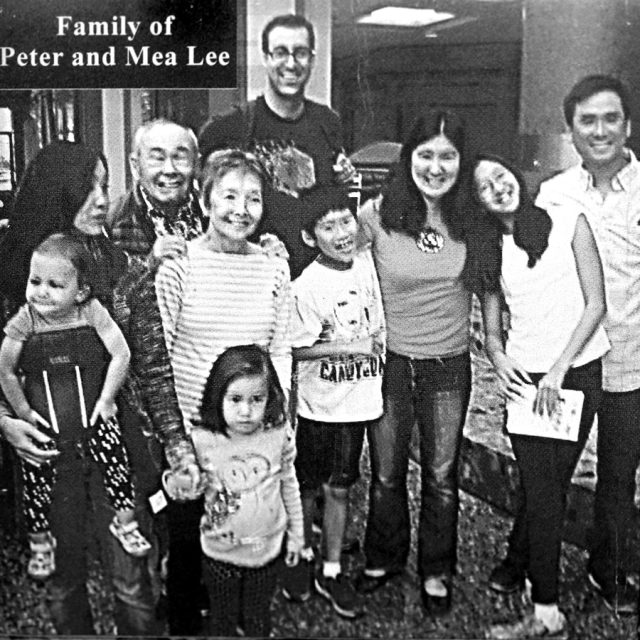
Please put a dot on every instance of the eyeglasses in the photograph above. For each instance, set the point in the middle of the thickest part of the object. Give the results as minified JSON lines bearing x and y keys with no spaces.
{"x":301,"y":55}
{"x":180,"y":160}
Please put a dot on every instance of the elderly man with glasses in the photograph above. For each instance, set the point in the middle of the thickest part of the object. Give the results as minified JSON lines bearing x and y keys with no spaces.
{"x":152,"y":221}
{"x":298,"y":141}
{"x":161,"y":211}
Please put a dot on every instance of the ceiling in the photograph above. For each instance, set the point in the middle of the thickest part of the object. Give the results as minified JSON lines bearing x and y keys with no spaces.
{"x":475,"y":22}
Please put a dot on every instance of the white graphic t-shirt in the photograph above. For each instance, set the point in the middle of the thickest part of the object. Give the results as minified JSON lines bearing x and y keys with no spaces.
{"x":342,"y":306}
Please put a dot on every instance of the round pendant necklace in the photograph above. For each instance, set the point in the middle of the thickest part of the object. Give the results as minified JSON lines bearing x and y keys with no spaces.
{"x":430,"y":240}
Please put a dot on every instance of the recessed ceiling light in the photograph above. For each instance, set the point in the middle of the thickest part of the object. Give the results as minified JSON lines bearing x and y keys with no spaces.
{"x":404,"y":17}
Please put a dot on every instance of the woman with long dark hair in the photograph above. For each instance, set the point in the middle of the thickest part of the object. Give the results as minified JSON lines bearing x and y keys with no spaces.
{"x":65,"y":190}
{"x":64,"y":182}
{"x":546,"y":267}
{"x":416,"y":235}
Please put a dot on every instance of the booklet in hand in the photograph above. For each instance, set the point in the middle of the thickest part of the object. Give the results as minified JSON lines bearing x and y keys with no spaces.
{"x":563,"y":424}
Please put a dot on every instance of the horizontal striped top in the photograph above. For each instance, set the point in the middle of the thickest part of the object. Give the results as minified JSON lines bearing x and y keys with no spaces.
{"x":211,"y":301}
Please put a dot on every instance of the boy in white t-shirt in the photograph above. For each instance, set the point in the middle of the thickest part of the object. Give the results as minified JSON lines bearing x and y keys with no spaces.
{"x":338,"y":342}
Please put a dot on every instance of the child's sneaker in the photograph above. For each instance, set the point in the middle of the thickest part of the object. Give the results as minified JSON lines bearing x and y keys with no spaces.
{"x":296,"y":581}
{"x":339,"y":592}
{"x":43,"y":558}
{"x":129,"y":536}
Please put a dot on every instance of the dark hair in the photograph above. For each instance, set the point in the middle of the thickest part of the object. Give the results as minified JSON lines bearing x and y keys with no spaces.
{"x":483,"y":232}
{"x":238,"y":362}
{"x":403,"y":207}
{"x":221,"y":162}
{"x":290,"y":21}
{"x":72,"y":249}
{"x":53,"y":189}
{"x":589,"y":86}
{"x":320,"y":200}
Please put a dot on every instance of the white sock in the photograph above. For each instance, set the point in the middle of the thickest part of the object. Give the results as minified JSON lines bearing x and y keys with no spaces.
{"x":435,"y":586}
{"x":549,"y":614}
{"x":330,"y":569}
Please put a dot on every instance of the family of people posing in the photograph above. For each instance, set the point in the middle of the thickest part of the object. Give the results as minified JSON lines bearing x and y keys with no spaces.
{"x":172,"y":394}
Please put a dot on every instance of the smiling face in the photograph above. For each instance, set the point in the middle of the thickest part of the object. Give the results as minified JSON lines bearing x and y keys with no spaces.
{"x":234,"y":209}
{"x":435,"y":166}
{"x":497,"y":188}
{"x":288,"y":77}
{"x":244,"y":404}
{"x":164,"y":164}
{"x":335,"y":235}
{"x":92,"y":215}
{"x":52,"y":288}
{"x":599,"y":131}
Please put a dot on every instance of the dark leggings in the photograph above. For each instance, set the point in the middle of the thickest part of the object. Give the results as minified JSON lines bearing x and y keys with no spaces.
{"x":104,"y":443}
{"x":240,"y":597}
{"x":546,"y":467}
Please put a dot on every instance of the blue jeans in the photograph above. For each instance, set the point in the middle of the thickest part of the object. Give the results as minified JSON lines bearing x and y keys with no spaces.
{"x":435,"y":394}
{"x":80,"y":517}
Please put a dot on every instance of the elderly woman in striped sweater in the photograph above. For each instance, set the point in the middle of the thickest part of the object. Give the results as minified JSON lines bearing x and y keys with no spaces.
{"x":223,"y":291}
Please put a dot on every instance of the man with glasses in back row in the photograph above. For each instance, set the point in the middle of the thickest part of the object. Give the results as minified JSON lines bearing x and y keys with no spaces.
{"x":298,"y":141}
{"x":300,"y":145}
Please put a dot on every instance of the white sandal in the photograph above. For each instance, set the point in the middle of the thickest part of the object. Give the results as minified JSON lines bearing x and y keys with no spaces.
{"x":129,"y":536}
{"x":42,"y":562}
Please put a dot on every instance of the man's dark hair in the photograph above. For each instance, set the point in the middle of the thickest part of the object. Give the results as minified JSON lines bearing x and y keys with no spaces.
{"x":290,"y":21}
{"x":589,"y":86}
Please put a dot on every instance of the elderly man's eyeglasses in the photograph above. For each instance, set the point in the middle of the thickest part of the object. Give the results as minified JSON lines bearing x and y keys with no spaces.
{"x":301,"y":55}
{"x":180,"y":160}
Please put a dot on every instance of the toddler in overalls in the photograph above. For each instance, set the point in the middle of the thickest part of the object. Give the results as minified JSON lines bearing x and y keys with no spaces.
{"x":62,"y":363}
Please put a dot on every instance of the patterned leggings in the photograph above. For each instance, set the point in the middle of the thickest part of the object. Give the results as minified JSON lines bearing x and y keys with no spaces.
{"x":104,"y":442}
{"x":240,"y":597}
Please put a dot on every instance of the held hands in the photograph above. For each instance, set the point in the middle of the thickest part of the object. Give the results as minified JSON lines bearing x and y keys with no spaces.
{"x":292,"y":557}
{"x":183,"y":483}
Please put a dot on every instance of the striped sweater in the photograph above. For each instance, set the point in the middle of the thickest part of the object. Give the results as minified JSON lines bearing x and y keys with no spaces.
{"x":211,"y":301}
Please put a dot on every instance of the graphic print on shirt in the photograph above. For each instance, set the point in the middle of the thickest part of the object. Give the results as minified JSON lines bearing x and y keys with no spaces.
{"x":352,"y":318}
{"x":291,"y":170}
{"x":235,"y":494}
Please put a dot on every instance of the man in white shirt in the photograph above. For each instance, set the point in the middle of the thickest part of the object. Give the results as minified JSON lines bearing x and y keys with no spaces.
{"x":605,"y":186}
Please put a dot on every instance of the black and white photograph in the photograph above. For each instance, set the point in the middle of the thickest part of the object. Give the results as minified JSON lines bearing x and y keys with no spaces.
{"x":319,"y":319}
